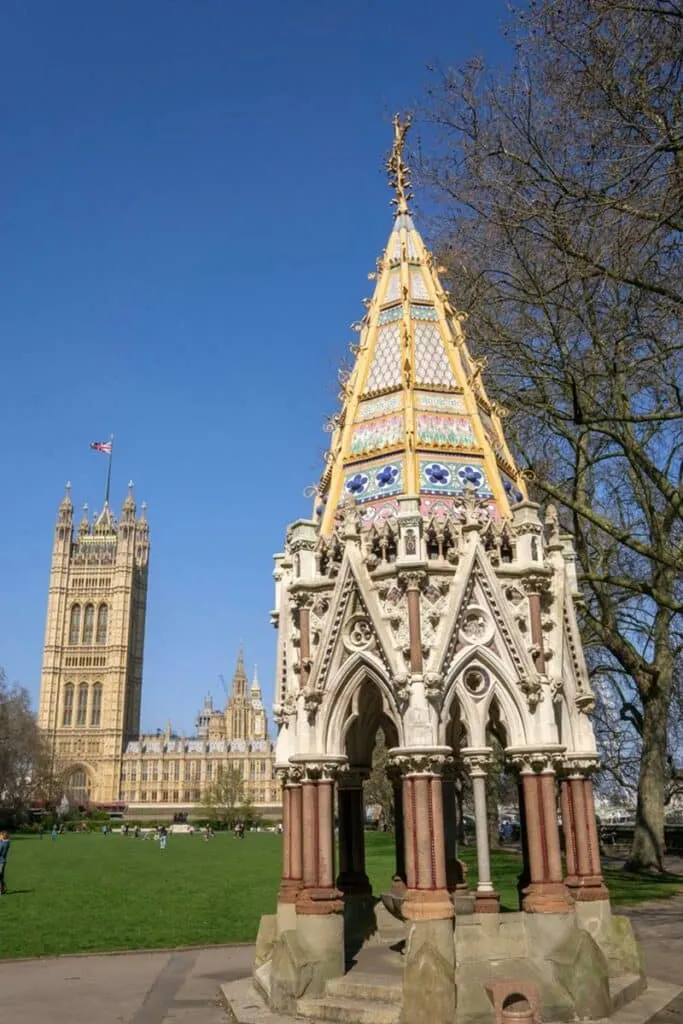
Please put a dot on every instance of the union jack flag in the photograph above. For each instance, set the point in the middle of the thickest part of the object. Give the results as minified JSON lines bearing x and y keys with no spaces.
{"x":101,"y":446}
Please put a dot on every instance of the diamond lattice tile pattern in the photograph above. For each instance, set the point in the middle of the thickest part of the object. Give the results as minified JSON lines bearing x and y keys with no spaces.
{"x":385,"y":371}
{"x":431,"y":361}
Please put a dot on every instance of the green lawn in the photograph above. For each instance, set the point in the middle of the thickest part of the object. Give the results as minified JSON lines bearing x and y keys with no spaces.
{"x":88,"y":892}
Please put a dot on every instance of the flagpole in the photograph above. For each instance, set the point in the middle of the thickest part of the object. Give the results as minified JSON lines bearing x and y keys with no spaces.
{"x":111,"y":452}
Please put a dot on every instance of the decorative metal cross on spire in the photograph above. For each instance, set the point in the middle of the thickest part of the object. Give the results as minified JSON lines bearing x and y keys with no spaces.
{"x":399,"y":173}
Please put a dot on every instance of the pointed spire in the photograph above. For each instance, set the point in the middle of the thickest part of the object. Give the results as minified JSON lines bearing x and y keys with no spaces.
{"x":66,"y":504}
{"x":255,"y":686}
{"x":84,"y":524}
{"x":415,"y":419}
{"x":399,"y":172}
{"x":128,"y":511}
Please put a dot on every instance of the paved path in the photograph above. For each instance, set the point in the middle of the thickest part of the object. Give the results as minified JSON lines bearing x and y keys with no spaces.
{"x":132,"y":988}
{"x":181,"y":987}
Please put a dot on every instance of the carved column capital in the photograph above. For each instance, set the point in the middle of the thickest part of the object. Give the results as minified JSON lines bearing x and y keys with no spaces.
{"x":421,"y":760}
{"x":412,"y":579}
{"x":579,"y":765}
{"x":321,"y":769}
{"x":534,"y":762}
{"x":536,"y":582}
{"x":477,"y":761}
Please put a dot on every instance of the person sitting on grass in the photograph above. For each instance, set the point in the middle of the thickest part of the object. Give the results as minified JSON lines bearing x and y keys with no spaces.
{"x":4,"y":853}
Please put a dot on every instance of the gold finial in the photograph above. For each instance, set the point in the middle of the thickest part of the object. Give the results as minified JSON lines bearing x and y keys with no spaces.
{"x":399,"y":173}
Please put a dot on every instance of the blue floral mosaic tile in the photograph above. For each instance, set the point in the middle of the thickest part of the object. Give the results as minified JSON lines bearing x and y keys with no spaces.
{"x":377,"y":481}
{"x":448,"y":476}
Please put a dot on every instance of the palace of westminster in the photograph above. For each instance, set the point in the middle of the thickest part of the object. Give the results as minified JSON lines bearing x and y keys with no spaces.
{"x":91,"y":683}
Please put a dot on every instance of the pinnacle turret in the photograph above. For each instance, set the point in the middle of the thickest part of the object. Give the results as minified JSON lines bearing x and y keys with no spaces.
{"x":415,"y":418}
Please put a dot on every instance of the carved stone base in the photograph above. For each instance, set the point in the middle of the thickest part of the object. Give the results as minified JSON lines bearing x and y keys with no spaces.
{"x":318,"y":902}
{"x":486,"y":902}
{"x":289,"y":889}
{"x":587,"y":888}
{"x":547,"y":898}
{"x":427,"y":905}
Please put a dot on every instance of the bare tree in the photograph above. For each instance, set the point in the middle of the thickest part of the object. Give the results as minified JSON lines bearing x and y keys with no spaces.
{"x":24,"y":761}
{"x":562,"y":192}
{"x":224,"y":796}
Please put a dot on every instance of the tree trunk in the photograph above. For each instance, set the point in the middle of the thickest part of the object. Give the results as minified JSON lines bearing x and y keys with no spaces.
{"x":648,"y":839}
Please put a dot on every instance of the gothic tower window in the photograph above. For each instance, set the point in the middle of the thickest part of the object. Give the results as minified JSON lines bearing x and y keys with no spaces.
{"x":79,"y":787}
{"x":102,"y":616}
{"x":88,"y":623}
{"x":96,"y":704}
{"x":75,"y":624}
{"x":68,"y":710}
{"x":82,"y":708}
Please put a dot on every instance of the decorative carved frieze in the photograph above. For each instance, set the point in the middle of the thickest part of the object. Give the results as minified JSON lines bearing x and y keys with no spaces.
{"x":536,"y":761}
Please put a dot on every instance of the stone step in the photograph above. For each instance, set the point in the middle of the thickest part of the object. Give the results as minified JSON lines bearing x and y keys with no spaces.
{"x":358,"y":985}
{"x":624,"y":989}
{"x":346,"y":1010}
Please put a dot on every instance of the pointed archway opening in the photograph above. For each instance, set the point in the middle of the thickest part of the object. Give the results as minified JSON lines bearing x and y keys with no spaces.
{"x":365,"y":792}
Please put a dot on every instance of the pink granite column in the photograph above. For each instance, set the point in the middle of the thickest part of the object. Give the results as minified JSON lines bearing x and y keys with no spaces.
{"x":318,"y":894}
{"x":426,"y":896}
{"x":584,"y":873}
{"x":546,"y":892}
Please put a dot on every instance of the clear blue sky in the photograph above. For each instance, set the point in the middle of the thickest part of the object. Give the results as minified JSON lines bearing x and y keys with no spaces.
{"x":191,"y":196}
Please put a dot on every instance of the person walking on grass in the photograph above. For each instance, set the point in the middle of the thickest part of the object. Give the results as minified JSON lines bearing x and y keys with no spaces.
{"x":53,"y":834}
{"x":163,"y":835}
{"x":4,"y":853}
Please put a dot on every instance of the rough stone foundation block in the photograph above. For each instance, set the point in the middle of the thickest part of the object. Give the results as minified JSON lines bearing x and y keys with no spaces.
{"x":265,"y":939}
{"x":429,"y":991}
{"x":291,"y":972}
{"x":321,"y":940}
{"x":613,"y":934}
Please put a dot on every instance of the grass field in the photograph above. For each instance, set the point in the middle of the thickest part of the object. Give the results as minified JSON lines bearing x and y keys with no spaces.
{"x":85,"y":893}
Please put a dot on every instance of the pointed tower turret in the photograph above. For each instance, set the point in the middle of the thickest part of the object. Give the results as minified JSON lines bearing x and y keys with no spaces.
{"x":415,"y":417}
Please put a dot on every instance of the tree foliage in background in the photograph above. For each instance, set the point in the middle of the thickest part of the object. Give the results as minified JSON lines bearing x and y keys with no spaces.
{"x":224,"y":796}
{"x":378,"y":790}
{"x":24,"y":761}
{"x":561,"y":191}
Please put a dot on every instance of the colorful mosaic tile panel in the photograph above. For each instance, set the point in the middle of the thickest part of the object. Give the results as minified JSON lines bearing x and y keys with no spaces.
{"x":377,"y":434}
{"x":442,"y":429}
{"x":423,"y":313}
{"x":380,"y":480}
{"x":387,"y":316}
{"x":431,"y":361}
{"x":412,"y":248}
{"x":439,"y":403}
{"x":445,"y":508}
{"x":376,"y":512}
{"x":385,"y":371}
{"x":448,"y":476}
{"x":394,"y":288}
{"x":418,"y":288}
{"x":379,"y":407}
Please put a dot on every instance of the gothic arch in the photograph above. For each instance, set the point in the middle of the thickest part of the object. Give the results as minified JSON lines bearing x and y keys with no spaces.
{"x":79,"y":782}
{"x":475,"y":705}
{"x":344,"y":705}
